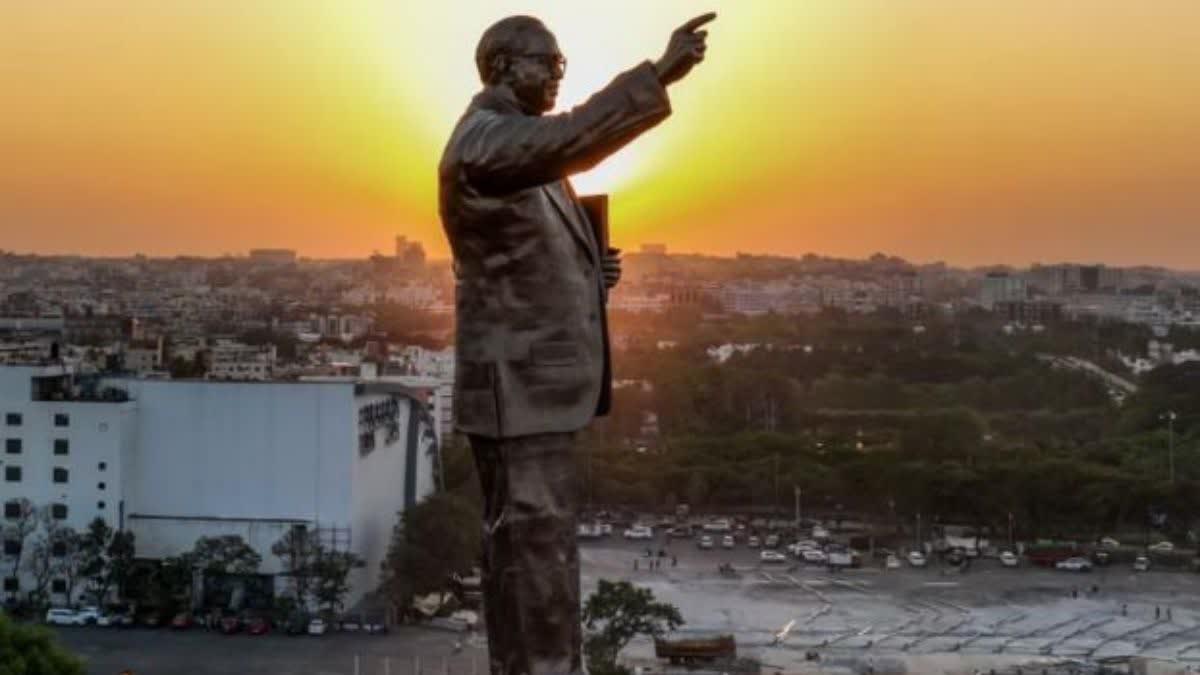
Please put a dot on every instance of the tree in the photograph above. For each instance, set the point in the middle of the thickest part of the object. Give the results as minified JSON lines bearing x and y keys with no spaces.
{"x":171,"y":583}
{"x":615,"y":614}
{"x":432,"y":541}
{"x":42,"y":563}
{"x":331,"y":572}
{"x":228,"y":554}
{"x":297,"y":550}
{"x":98,"y":545}
{"x":70,"y":565}
{"x":19,"y":529}
{"x":121,"y":552}
{"x":33,"y":650}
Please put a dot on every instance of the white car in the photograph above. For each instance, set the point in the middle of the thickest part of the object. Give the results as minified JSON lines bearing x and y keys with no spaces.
{"x":317,"y":627}
{"x":1142,"y":564}
{"x":705,"y":542}
{"x":753,"y":542}
{"x":1009,"y":559}
{"x":639,"y":532}
{"x":1162,"y":547}
{"x":772,"y":541}
{"x":718,"y":525}
{"x":891,"y":562}
{"x":63,"y":617}
{"x":819,"y":532}
{"x":727,"y":541}
{"x":769,"y":556}
{"x":88,"y":615}
{"x":916,"y":559}
{"x":813,"y":555}
{"x":1109,"y":542}
{"x":1075,"y":564}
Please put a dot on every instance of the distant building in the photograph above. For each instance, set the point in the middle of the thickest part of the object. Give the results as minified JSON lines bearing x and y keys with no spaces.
{"x":230,"y":360}
{"x":173,"y":461}
{"x":1001,"y":287}
{"x":274,"y":256}
{"x":409,"y":253}
{"x":654,"y":249}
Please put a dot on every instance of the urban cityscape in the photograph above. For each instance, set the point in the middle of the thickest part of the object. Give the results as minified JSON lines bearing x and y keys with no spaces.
{"x":181,"y":433}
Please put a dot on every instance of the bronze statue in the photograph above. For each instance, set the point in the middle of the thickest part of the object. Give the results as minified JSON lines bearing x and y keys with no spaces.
{"x":532,"y":339}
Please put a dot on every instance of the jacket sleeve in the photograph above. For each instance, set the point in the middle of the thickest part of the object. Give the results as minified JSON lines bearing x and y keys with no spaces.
{"x":512,"y":152}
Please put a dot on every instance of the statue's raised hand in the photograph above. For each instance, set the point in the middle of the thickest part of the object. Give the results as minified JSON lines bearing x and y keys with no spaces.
{"x":684,"y":51}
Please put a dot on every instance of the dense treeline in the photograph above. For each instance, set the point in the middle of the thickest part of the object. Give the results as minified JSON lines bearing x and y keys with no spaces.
{"x":958,"y":420}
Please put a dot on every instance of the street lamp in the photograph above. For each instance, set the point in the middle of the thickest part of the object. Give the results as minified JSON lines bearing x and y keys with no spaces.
{"x":1170,"y":416}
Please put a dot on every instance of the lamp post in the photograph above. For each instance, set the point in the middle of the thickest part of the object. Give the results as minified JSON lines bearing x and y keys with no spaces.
{"x":1170,"y":416}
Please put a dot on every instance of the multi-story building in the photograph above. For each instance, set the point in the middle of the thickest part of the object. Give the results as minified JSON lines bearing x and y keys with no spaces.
{"x":235,"y":361}
{"x":172,"y":461}
{"x":999,"y":287}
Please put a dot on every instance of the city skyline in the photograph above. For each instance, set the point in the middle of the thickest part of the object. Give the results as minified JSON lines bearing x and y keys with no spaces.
{"x":933,"y":131}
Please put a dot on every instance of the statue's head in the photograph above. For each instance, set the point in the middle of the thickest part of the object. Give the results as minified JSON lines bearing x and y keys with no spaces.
{"x":521,"y":53}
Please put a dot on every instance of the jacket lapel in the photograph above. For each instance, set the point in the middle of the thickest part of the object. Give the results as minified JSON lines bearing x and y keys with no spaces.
{"x":574,"y":219}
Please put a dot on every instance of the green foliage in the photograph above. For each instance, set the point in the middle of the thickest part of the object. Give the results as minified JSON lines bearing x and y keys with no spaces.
{"x":331,"y":571}
{"x":616,"y":613}
{"x":227,"y":554}
{"x":432,"y":541}
{"x":33,"y":650}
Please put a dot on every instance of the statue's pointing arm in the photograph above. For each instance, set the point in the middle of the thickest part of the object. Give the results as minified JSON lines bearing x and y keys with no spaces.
{"x":506,"y":152}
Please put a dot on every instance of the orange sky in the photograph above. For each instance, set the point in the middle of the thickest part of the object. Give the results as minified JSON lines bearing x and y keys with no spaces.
{"x":958,"y":130}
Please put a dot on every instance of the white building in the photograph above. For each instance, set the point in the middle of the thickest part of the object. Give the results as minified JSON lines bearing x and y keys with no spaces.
{"x":176,"y":460}
{"x":230,"y":360}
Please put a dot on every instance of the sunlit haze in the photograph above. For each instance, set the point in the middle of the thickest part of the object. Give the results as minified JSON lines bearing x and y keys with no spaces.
{"x":972,"y":132}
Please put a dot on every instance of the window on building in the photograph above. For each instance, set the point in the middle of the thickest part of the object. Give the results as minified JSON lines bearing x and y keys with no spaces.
{"x":12,"y":474}
{"x":11,"y":584}
{"x":100,"y":505}
{"x":58,"y":586}
{"x":62,"y":446}
{"x":12,"y":509}
{"x":58,"y":511}
{"x":103,"y":466}
{"x":60,"y":474}
{"x":101,"y":486}
{"x":59,"y":549}
{"x":62,"y":420}
{"x":12,"y":547}
{"x":12,"y":419}
{"x":12,"y":446}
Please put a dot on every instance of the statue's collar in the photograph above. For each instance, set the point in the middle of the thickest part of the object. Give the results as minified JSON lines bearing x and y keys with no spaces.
{"x":498,"y":99}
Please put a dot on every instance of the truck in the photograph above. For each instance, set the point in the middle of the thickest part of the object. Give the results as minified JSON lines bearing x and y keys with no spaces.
{"x":694,"y":650}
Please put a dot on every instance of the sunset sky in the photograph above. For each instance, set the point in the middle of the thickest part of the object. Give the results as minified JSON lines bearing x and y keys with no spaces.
{"x":969,"y":131}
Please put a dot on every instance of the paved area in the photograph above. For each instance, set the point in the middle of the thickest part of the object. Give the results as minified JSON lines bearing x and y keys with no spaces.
{"x":988,"y":617}
{"x":867,"y":620}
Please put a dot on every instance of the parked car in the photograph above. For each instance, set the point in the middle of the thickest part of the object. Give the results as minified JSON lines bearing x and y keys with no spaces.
{"x":606,"y":529}
{"x":258,"y":626}
{"x":772,"y":541}
{"x":63,"y":617}
{"x":1009,"y":559}
{"x":917,"y":559}
{"x":727,"y":541}
{"x":316,"y":627}
{"x":753,"y":542}
{"x":1141,"y":564}
{"x":819,"y":533}
{"x":1075,"y":564}
{"x":231,"y":625}
{"x":1162,"y":547}
{"x":1109,"y":542}
{"x":182,"y":621}
{"x":812,"y":555}
{"x":705,"y":542}
{"x":150,"y":620}
{"x":718,"y":525}
{"x":639,"y":532}
{"x":680,"y":531}
{"x":769,"y":556}
{"x":891,"y":562}
{"x":375,"y":626}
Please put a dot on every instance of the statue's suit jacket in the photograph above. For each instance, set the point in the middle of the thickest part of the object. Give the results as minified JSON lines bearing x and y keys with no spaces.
{"x":532,"y":339}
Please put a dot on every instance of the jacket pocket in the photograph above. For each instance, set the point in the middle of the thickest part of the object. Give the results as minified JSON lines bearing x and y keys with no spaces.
{"x":559,"y":353}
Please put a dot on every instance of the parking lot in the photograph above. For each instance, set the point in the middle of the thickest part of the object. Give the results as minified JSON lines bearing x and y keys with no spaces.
{"x":988,"y":617}
{"x":935,"y":619}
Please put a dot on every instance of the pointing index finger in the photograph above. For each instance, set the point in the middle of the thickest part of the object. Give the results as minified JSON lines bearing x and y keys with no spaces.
{"x":697,"y":22}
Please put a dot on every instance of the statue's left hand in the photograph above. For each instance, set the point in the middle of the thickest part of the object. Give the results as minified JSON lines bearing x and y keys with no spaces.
{"x":612,"y":267}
